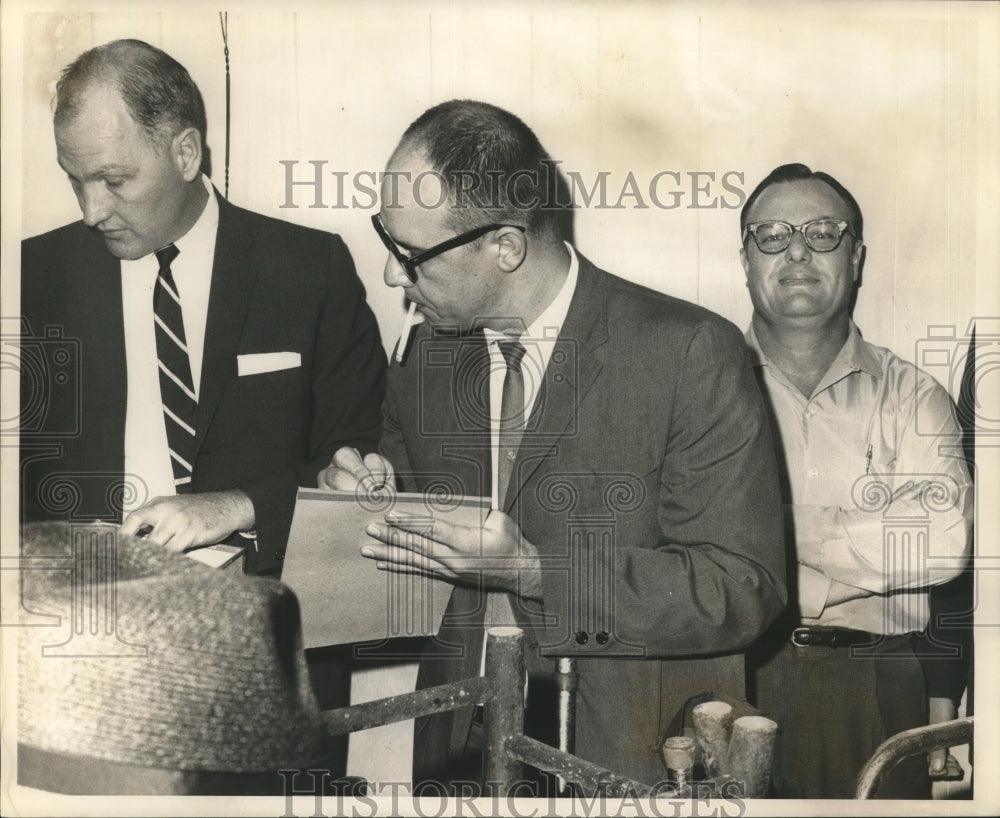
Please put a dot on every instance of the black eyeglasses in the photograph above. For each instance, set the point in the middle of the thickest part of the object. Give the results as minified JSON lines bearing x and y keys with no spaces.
{"x":410,"y":263}
{"x":821,"y":235}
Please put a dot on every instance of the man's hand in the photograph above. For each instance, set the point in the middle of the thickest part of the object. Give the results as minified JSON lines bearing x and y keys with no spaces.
{"x":941,"y":709}
{"x":497,"y":552}
{"x":188,"y":520}
{"x":910,"y":491}
{"x":347,"y":471}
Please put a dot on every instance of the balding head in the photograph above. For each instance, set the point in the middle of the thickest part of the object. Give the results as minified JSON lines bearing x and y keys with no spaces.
{"x":157,"y":90}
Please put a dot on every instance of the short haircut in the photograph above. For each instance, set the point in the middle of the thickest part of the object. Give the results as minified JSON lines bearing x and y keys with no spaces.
{"x":491,"y":164}
{"x":797,"y":172}
{"x":157,"y":90}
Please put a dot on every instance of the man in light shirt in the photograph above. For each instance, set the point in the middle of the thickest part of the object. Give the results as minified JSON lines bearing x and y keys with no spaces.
{"x":281,"y":357}
{"x":618,"y":431}
{"x":876,"y":495}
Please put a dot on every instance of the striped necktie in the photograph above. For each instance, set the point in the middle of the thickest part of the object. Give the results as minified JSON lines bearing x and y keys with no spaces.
{"x":176,"y":385}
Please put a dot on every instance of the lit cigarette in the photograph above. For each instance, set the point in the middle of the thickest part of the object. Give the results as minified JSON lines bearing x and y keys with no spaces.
{"x":404,"y":336}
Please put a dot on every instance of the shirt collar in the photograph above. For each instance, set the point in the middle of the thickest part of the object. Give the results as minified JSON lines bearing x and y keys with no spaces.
{"x":855,"y":354}
{"x":858,"y":354}
{"x":199,"y":239}
{"x":202,"y":232}
{"x":548,"y":324}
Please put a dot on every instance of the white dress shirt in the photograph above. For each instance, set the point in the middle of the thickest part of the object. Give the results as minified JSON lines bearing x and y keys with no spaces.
{"x":538,"y":339}
{"x":148,"y":472}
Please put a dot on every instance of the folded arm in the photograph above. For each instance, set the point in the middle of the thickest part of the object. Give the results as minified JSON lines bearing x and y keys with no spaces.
{"x":922,"y":508}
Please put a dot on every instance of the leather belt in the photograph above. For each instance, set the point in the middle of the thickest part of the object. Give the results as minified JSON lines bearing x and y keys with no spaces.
{"x":828,"y":637}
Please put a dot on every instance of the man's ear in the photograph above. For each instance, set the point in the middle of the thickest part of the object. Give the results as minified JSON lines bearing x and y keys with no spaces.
{"x":857,"y":259}
{"x":745,"y":262}
{"x":512,"y":247}
{"x":186,"y":152}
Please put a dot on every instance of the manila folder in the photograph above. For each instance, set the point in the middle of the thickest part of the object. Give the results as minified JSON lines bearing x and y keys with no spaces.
{"x":343,"y":597}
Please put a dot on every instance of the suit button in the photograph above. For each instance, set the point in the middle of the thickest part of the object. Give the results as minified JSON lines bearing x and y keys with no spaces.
{"x":582,"y":638}
{"x":602,"y":638}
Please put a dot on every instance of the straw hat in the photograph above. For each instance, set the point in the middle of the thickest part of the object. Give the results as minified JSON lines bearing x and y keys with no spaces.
{"x":135,"y":659}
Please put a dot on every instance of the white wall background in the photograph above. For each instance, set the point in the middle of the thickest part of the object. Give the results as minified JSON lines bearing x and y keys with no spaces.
{"x":899,"y":101}
{"x":894,"y":100}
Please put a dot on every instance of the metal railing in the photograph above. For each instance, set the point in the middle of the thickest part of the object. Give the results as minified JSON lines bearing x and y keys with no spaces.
{"x":909,"y":743}
{"x":501,"y":691}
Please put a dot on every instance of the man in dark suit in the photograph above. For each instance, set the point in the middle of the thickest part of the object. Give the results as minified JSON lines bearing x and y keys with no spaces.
{"x":636,"y":522}
{"x":282,"y":361}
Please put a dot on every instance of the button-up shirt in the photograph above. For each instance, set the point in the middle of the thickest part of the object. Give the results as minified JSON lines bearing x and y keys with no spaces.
{"x":873,"y":423}
{"x":539,"y":339}
{"x":147,"y":458}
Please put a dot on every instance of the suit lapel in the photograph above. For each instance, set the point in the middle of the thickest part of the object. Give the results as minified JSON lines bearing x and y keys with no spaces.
{"x":452,"y":411}
{"x":104,"y":352}
{"x":233,"y":277}
{"x":576,"y":362}
{"x":453,"y":437}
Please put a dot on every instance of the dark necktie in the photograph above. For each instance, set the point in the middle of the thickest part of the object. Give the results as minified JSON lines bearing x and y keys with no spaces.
{"x":176,"y":385}
{"x":511,"y":416}
{"x":499,"y":610}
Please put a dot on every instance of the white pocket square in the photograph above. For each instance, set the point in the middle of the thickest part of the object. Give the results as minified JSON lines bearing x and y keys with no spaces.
{"x":260,"y":362}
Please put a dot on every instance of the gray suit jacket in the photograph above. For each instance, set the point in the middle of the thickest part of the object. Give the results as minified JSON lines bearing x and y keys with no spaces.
{"x":647,"y":480}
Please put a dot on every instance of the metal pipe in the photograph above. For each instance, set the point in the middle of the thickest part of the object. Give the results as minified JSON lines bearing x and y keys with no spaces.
{"x":910,"y":743}
{"x":567,"y":680}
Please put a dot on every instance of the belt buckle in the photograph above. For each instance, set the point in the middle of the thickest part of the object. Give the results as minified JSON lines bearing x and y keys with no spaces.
{"x":795,"y":637}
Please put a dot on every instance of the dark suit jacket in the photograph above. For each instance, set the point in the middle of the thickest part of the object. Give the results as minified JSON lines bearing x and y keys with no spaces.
{"x":276,"y":287}
{"x":647,"y":480}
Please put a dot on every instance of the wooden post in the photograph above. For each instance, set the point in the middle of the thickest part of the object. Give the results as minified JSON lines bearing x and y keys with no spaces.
{"x":503,"y":714}
{"x":713,"y":723}
{"x":750,"y":753}
{"x":591,"y":779}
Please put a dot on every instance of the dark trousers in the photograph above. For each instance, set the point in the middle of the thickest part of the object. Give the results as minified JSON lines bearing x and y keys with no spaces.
{"x":834,"y":706}
{"x":330,"y":677}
